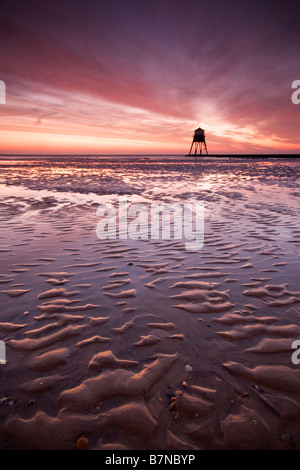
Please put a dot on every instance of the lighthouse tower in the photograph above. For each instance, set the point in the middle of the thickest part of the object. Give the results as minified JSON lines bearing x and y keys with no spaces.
{"x":198,"y":141}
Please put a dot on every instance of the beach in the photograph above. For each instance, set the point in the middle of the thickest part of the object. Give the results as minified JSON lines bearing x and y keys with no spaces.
{"x":140,"y":343}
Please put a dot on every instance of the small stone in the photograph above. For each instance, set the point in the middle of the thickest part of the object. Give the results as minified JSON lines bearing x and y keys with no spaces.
{"x":287,"y":441}
{"x":30,"y":402}
{"x":82,"y":443}
{"x":257,"y":388}
{"x":184,"y":384}
{"x":172,"y":406}
{"x":188,"y":368}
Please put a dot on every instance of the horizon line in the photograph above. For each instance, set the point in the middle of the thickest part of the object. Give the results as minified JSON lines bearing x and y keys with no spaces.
{"x":148,"y":154}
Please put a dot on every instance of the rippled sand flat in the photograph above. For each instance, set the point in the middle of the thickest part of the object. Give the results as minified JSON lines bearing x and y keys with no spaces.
{"x":143,"y":344}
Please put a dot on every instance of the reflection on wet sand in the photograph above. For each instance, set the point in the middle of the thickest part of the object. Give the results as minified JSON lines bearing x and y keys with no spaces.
{"x":141,"y":344}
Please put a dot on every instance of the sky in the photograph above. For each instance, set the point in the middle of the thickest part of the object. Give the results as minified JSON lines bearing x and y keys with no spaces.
{"x":132,"y":76}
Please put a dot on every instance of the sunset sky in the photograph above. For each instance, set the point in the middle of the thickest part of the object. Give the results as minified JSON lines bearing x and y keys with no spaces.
{"x":133,"y":76}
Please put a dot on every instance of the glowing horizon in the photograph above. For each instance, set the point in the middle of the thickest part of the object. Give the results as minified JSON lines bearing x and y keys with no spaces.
{"x":139,"y":78}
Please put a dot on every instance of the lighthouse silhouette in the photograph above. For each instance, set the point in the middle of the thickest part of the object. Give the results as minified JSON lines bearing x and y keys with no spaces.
{"x":198,"y":141}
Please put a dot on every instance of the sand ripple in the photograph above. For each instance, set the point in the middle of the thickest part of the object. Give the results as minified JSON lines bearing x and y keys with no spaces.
{"x":136,"y":344}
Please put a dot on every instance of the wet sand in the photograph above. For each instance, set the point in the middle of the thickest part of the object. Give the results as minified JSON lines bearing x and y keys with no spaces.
{"x":142,"y":344}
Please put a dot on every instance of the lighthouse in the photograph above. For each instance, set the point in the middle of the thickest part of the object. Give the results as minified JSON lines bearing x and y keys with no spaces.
{"x":198,"y":141}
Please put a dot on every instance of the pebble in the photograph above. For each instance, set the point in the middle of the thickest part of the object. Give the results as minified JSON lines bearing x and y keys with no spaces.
{"x":82,"y":443}
{"x":287,"y":441}
{"x":188,"y":368}
{"x":30,"y":402}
